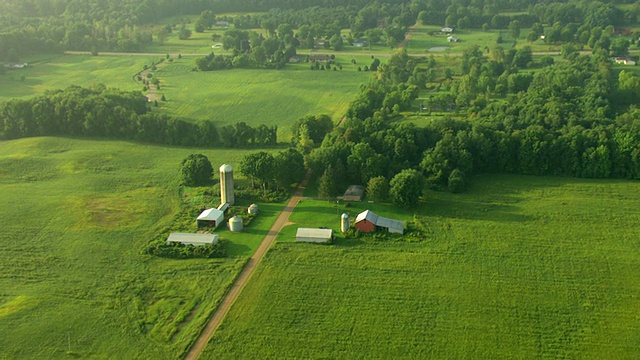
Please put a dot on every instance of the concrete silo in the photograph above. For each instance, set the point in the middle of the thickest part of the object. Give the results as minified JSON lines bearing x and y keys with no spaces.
{"x":226,"y":184}
{"x":344,"y":223}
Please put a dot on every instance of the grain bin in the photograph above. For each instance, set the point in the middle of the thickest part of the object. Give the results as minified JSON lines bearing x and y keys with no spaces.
{"x":235,"y":224}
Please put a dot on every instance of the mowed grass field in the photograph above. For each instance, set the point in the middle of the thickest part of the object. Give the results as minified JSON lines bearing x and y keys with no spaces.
{"x":61,"y":71}
{"x":76,"y":215}
{"x":517,"y":267}
{"x":270,"y":97}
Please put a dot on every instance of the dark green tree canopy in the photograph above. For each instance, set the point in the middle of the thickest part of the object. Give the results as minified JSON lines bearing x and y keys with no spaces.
{"x":196,"y":170}
{"x":406,"y":188}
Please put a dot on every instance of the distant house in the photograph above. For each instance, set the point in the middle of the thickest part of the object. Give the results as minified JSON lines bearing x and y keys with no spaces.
{"x":354,"y":193}
{"x":216,"y":46}
{"x":222,"y":23}
{"x":16,"y":65}
{"x":447,"y":29}
{"x":368,"y":221}
{"x":210,"y":218}
{"x":359,"y":43}
{"x":319,"y":42}
{"x":452,"y":39}
{"x":624,"y":61}
{"x":294,"y":59}
{"x":319,"y":58}
{"x":192,"y":239}
{"x":312,"y":235}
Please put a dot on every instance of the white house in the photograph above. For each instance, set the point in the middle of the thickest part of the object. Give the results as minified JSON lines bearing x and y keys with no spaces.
{"x":319,"y":236}
{"x":447,"y":29}
{"x":210,"y":218}
{"x":452,"y":39}
{"x":192,"y":239}
{"x":624,"y":61}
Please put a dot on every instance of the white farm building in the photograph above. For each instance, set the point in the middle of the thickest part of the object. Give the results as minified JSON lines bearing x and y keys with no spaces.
{"x":312,"y":235}
{"x":210,"y":218}
{"x":192,"y":239}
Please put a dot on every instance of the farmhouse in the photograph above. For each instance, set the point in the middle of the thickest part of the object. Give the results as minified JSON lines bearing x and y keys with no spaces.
{"x":368,"y":221}
{"x":624,"y":61}
{"x":359,"y":43}
{"x":452,"y":39}
{"x":210,"y":218}
{"x":447,"y":29}
{"x":354,"y":193}
{"x":310,"y":235}
{"x":222,"y":23}
{"x":192,"y":239}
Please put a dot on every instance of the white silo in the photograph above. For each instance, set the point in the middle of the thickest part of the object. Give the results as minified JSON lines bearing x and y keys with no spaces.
{"x":235,"y":224}
{"x":344,"y":223}
{"x":226,"y":184}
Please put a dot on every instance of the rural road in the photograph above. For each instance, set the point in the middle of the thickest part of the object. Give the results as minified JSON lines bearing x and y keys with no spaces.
{"x":244,"y":276}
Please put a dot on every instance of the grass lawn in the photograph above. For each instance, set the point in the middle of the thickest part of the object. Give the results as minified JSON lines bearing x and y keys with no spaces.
{"x":75,"y":216}
{"x":256,"y":97}
{"x":517,"y":267}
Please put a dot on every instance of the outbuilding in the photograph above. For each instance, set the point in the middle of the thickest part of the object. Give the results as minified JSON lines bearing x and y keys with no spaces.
{"x":368,"y":221}
{"x":192,"y":239}
{"x":210,"y":218}
{"x":354,"y":193}
{"x":311,"y":235}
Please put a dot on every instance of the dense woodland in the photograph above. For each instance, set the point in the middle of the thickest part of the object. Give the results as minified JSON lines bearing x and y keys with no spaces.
{"x":571,"y":118}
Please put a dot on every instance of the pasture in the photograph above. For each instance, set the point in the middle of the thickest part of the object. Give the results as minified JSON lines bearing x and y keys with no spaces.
{"x":61,"y":71}
{"x":271,"y":97}
{"x":517,"y":267}
{"x":76,"y":215}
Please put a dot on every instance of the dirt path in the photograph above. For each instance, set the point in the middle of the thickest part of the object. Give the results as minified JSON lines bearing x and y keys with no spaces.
{"x":407,"y":37}
{"x":245,"y":275}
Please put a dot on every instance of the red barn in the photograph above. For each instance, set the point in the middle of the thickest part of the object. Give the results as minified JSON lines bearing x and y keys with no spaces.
{"x":366,"y":221}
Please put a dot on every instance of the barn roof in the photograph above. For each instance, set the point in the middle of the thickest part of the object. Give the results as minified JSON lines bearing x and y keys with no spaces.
{"x":195,"y":239}
{"x":314,"y":233}
{"x":210,"y":214}
{"x":367,"y":215}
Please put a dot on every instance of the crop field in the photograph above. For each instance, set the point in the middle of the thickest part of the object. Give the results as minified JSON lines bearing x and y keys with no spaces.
{"x":76,"y":215}
{"x":257,"y":96}
{"x":517,"y":267}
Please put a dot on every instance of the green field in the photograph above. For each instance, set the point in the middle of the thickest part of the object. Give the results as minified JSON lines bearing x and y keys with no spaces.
{"x":75,"y":216}
{"x":61,"y":71}
{"x":517,"y":267}
{"x":257,"y":96}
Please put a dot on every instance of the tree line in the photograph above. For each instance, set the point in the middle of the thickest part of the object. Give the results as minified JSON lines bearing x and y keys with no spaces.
{"x":111,"y":113}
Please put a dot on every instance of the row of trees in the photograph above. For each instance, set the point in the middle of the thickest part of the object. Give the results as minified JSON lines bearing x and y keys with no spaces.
{"x":103,"y":112}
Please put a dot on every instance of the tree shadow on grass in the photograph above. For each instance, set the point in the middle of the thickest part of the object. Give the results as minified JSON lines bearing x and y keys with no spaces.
{"x":234,"y":249}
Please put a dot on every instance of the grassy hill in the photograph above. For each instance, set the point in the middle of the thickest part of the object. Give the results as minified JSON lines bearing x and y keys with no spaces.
{"x":75,"y":217}
{"x":525,"y":267}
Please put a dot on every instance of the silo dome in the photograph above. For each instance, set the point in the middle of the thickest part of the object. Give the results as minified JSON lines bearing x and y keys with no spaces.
{"x":226,"y":168}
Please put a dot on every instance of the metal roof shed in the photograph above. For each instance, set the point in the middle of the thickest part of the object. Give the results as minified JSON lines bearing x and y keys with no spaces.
{"x":314,"y":235}
{"x":211,"y":217}
{"x":193,"y":239}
